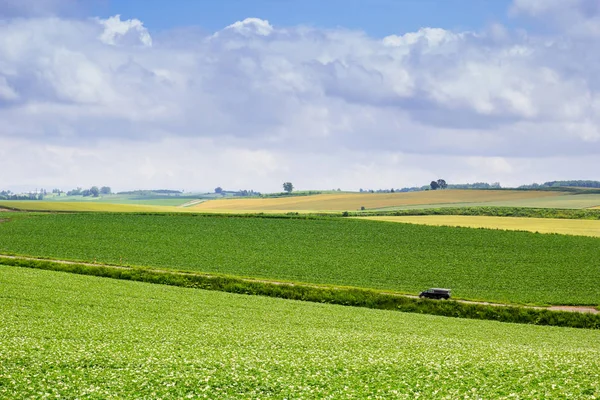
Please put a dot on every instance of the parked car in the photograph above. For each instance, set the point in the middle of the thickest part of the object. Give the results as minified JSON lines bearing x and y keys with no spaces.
{"x":436,"y":293}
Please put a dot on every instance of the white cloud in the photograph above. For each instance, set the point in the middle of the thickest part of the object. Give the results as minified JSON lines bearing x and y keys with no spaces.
{"x":251,"y":26}
{"x":255,"y":104}
{"x":131,"y":31}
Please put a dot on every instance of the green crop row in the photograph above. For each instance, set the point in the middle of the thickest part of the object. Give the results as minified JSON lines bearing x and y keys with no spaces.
{"x":69,"y":336}
{"x":355,"y":297}
{"x":489,"y":211}
{"x":480,"y":264}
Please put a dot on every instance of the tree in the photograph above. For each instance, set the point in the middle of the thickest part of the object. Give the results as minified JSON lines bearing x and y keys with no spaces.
{"x":218,"y":190}
{"x":94,"y":191}
{"x":434,"y":185}
{"x":442,"y":184}
{"x":288,"y":187}
{"x":105,"y":190}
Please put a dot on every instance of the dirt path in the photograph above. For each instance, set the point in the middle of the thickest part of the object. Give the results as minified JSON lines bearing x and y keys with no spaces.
{"x":581,"y":309}
{"x":192,"y":203}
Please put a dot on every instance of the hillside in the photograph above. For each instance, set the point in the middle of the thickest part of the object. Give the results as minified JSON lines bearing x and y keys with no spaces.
{"x":493,"y":265}
{"x":72,"y":336}
{"x":354,"y":201}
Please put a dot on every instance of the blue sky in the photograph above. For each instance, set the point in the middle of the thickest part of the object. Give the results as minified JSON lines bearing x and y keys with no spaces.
{"x":373,"y":94}
{"x":376,"y":17}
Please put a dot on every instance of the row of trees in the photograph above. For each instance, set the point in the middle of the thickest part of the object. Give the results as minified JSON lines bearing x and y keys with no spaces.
{"x":574,"y":183}
{"x":94,"y":191}
{"x":8,"y":195}
{"x":241,"y":192}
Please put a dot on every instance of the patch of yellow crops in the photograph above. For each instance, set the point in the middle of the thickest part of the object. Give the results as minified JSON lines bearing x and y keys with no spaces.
{"x":28,"y":205}
{"x":543,"y":225}
{"x":354,"y":201}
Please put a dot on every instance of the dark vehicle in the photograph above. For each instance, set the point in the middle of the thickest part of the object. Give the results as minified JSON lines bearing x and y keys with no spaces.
{"x":436,"y":293}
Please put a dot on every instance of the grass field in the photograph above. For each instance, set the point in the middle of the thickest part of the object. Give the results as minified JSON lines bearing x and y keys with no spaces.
{"x":503,"y":266}
{"x":543,"y":225}
{"x":70,"y":336}
{"x":149,"y":200}
{"x":33,"y":205}
{"x":354,"y":201}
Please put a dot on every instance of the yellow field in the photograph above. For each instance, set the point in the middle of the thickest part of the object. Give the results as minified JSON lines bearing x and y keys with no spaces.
{"x":30,"y":205}
{"x":543,"y":225}
{"x":354,"y":201}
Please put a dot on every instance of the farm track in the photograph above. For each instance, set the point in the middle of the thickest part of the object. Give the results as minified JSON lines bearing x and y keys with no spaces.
{"x":568,"y":308}
{"x":191,"y":203}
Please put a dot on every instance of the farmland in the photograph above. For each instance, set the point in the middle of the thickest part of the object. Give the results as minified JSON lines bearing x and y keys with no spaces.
{"x":542,"y":225}
{"x":329,"y":202}
{"x":354,"y":201}
{"x":84,"y":337}
{"x":503,"y":266}
{"x":31,"y":205}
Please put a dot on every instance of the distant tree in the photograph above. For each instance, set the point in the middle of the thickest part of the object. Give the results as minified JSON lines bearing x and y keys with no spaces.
{"x":434,"y":185}
{"x":218,"y":190}
{"x":392,"y":190}
{"x":288,"y":187}
{"x":86,"y":193}
{"x":75,"y":192}
{"x":94,"y":191}
{"x":442,"y":184}
{"x":105,"y":190}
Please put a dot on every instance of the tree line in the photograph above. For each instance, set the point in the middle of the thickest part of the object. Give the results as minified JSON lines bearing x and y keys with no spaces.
{"x":573,"y":183}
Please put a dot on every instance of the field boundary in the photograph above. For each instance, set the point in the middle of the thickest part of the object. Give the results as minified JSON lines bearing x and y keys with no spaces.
{"x":487,"y":211}
{"x":347,"y":296}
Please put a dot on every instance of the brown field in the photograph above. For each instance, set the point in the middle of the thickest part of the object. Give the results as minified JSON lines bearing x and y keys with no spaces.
{"x":577,"y":227}
{"x":354,"y":201}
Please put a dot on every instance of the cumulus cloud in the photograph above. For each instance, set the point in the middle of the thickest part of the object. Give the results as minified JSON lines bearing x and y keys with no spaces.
{"x":124,"y":32}
{"x":255,"y":104}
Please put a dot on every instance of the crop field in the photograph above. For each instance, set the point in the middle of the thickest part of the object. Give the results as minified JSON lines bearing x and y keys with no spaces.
{"x":559,"y":200}
{"x":33,"y":205}
{"x":150,"y":200}
{"x":578,"y":227}
{"x":494,"y":265}
{"x":354,"y":201}
{"x":71,"y":336}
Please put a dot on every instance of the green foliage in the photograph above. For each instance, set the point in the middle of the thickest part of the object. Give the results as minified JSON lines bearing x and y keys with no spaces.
{"x":289,"y":194}
{"x":502,"y":266}
{"x":288,"y":187}
{"x":80,"y":337}
{"x":345,"y":296}
{"x":492,"y":212}
{"x":560,"y":184}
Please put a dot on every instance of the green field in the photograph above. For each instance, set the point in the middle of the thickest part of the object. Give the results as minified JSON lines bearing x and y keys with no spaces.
{"x":71,"y":336}
{"x":492,"y":265}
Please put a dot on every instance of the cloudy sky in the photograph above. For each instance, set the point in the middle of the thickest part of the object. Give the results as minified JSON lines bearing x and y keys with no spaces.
{"x":341,"y":94}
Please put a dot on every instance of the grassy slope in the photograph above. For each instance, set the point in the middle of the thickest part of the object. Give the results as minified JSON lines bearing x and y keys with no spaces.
{"x":478,"y":264}
{"x":32,"y":205}
{"x":542,"y":225}
{"x":354,"y":201}
{"x":85,"y":337}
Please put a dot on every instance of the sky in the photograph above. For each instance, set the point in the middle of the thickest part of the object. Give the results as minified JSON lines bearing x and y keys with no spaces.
{"x":243,"y":94}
